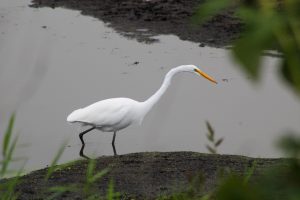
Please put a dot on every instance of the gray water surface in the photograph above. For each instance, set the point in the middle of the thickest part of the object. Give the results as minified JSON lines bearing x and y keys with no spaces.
{"x":56,"y":60}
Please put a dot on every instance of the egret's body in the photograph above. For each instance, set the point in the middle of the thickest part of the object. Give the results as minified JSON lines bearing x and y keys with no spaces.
{"x":109,"y":115}
{"x":112,"y":115}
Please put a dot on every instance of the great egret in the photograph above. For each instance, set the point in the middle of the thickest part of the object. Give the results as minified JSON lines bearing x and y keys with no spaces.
{"x":112,"y":115}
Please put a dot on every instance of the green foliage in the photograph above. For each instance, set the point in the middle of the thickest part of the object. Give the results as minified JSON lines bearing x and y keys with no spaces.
{"x":233,"y":188}
{"x":290,"y":144}
{"x":214,"y":143}
{"x":111,"y":194}
{"x":284,"y":181}
{"x":7,"y":189}
{"x":268,"y":25}
{"x":9,"y":146}
{"x":7,"y":135}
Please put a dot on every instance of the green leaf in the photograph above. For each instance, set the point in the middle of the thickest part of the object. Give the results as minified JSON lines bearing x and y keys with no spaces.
{"x":111,"y":194}
{"x":211,"y":149}
{"x":90,"y":169}
{"x":257,"y":37}
{"x":211,"y":132}
{"x":290,"y":68}
{"x":98,"y":175}
{"x":8,"y":134}
{"x":219,"y":142}
{"x":210,"y":137}
{"x":290,"y":144}
{"x":8,"y":156}
{"x":209,"y":127}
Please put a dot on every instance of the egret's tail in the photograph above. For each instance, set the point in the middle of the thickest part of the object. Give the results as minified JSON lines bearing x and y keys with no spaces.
{"x":74,"y":116}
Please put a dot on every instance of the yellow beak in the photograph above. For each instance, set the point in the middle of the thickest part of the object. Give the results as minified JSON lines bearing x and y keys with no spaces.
{"x":205,"y":75}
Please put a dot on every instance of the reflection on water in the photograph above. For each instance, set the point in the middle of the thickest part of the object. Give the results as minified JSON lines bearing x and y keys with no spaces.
{"x":54,"y":61}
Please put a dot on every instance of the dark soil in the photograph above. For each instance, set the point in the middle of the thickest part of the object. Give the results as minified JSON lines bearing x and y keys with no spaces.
{"x":141,"y":19}
{"x":143,"y":175}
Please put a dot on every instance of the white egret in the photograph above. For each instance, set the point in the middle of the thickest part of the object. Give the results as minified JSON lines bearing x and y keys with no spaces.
{"x":112,"y":115}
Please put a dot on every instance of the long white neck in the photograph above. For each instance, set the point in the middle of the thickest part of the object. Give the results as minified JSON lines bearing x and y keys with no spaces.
{"x":149,"y":103}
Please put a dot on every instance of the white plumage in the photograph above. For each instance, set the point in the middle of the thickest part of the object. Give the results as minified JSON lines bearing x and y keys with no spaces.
{"x":114,"y":114}
{"x":108,"y":115}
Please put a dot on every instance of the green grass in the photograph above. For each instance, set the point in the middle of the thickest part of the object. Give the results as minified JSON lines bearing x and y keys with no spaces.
{"x":7,"y":189}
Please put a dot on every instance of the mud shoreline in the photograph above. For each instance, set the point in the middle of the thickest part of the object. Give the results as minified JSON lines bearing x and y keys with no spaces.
{"x":142,"y":20}
{"x":144,"y":175}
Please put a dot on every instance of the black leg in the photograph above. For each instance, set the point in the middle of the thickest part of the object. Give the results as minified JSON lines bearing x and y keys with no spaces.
{"x":113,"y":144}
{"x":82,"y":142}
{"x":84,"y":132}
{"x":81,"y":154}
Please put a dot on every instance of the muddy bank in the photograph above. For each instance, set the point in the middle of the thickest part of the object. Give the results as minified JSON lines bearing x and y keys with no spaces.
{"x":141,"y":19}
{"x":143,"y":175}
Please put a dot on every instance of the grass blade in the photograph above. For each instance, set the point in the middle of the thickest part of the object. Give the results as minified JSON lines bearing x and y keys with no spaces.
{"x":249,"y":172}
{"x":8,"y":156}
{"x":111,"y":194}
{"x":98,"y":175}
{"x":218,"y":142}
{"x":7,"y":135}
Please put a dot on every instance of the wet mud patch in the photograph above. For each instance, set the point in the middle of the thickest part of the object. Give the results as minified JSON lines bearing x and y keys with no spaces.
{"x":144,"y":175}
{"x":142,"y":19}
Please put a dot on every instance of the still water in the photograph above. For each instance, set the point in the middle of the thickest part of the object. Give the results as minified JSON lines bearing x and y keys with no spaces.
{"x":56,"y":60}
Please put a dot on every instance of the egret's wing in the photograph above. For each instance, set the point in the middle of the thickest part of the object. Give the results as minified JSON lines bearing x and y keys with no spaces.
{"x":102,"y":113}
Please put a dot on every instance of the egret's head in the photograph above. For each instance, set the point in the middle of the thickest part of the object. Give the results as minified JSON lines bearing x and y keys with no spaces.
{"x":195,"y":69}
